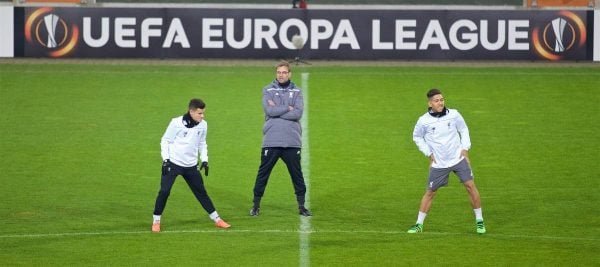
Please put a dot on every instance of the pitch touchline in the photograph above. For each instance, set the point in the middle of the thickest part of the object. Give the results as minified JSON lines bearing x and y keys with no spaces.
{"x":279,"y":231}
{"x":305,"y":227}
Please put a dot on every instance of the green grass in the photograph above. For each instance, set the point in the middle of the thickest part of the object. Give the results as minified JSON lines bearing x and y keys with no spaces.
{"x":80,"y":162}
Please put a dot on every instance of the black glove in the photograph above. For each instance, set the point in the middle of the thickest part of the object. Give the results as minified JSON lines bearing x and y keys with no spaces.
{"x":166,"y":166}
{"x":204,"y":166}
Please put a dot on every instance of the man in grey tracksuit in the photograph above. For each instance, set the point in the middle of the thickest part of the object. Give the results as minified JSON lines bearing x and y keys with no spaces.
{"x":282,"y":136}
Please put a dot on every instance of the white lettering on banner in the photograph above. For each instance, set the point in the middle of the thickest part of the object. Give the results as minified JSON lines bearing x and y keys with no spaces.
{"x":376,"y":40}
{"x":121,"y":32}
{"x":463,"y":35}
{"x":266,"y":31}
{"x":176,"y":34}
{"x":246,"y":35}
{"x":148,"y":32}
{"x":402,"y":34}
{"x":316,"y":35}
{"x":104,"y":32}
{"x":344,"y":35}
{"x":470,"y":37}
{"x":267,"y":34}
{"x":124,"y":34}
{"x":434,"y":35}
{"x":514,"y":34}
{"x":484,"y":36}
{"x":283,"y":30}
{"x":209,"y":31}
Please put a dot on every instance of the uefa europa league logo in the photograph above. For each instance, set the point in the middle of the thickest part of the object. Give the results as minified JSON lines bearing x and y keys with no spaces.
{"x":50,"y":23}
{"x":558,"y":27}
{"x":555,"y":39}
{"x":46,"y":30}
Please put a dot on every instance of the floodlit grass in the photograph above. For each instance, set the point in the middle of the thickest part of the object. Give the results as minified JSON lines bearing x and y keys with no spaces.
{"x":80,"y":163}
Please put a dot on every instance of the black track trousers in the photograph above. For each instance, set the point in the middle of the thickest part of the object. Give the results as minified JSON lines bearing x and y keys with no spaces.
{"x":291,"y":158}
{"x":192,"y":178}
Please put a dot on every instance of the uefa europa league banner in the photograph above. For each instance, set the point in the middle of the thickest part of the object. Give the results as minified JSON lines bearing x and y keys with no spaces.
{"x":310,"y":34}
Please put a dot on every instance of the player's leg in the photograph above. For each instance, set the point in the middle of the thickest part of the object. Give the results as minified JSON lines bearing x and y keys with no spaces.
{"x":424,"y":207}
{"x":437,"y":178}
{"x":166,"y":183}
{"x":426,"y":201}
{"x":473,"y":194}
{"x":194,"y":180}
{"x":465,"y":174}
{"x":292,"y":159}
{"x":268,"y":158}
{"x":476,"y":204}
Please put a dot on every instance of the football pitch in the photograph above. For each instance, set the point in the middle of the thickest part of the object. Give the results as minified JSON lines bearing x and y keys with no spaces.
{"x":80,"y":166}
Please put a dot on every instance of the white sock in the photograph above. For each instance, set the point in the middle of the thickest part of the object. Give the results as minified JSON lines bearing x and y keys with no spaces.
{"x":156,"y":218}
{"x":214,"y":216}
{"x":478,"y":214}
{"x":421,"y":217}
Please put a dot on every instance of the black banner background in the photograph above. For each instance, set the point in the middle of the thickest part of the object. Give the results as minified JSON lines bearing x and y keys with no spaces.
{"x":361,"y":22}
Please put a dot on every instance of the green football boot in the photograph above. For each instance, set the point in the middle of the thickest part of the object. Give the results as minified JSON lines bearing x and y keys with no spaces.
{"x":417,"y":228}
{"x":480,"y":227}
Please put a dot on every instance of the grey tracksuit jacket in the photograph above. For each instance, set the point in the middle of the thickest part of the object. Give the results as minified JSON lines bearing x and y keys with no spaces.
{"x":282,"y":126}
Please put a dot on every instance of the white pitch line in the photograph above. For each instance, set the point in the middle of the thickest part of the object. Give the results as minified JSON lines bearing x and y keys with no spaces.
{"x":305,"y":227}
{"x":292,"y":231}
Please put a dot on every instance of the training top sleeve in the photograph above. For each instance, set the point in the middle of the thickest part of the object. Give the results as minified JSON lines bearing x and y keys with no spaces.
{"x":463,"y":130}
{"x":419,"y":138}
{"x":167,"y":139}
{"x":298,"y":105}
{"x":272,"y":111}
{"x":202,"y":146}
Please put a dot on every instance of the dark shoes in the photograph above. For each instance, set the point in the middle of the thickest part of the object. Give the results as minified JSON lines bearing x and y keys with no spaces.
{"x":304,"y":212}
{"x":301,"y":210}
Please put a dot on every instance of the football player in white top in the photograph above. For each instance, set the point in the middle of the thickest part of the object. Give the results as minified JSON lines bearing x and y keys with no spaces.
{"x":442,"y":135}
{"x":184,"y":138}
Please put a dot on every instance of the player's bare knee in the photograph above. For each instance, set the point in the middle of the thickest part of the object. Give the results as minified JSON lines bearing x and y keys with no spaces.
{"x":470,"y":186}
{"x":430,"y":193}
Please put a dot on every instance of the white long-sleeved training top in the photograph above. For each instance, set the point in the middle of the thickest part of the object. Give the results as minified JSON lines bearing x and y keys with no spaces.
{"x":180,"y":144}
{"x":445,"y":137}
